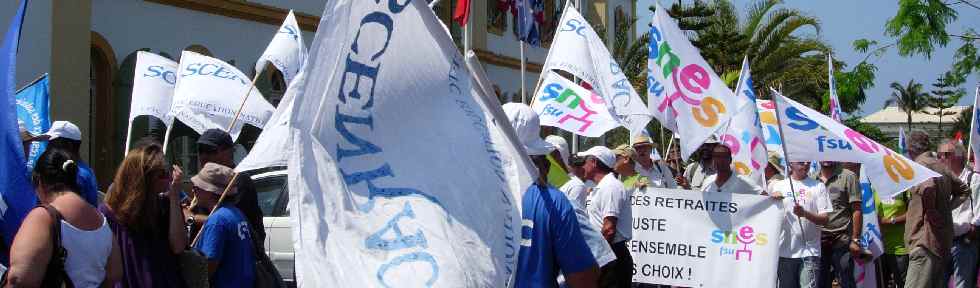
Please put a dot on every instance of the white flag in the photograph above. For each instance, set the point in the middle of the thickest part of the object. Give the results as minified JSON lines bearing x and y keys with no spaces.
{"x":975,"y":131}
{"x":871,"y":239}
{"x":274,"y":145}
{"x":811,"y":136}
{"x":209,"y":92}
{"x":832,"y":101}
{"x":566,"y":105}
{"x":743,"y":134}
{"x":770,"y":127}
{"x":286,"y":51}
{"x":153,"y":87}
{"x":682,"y":91}
{"x":398,"y":177}
{"x":577,"y":49}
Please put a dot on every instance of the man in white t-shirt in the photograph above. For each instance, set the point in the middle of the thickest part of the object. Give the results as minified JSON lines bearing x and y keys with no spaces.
{"x":576,"y":189}
{"x":807,"y":207}
{"x":609,"y":207}
{"x":656,"y":171}
{"x":725,"y":179}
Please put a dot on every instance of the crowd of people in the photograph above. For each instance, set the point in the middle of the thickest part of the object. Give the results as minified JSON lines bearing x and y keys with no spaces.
{"x":928,"y":231}
{"x":143,"y":230}
{"x":577,"y":215}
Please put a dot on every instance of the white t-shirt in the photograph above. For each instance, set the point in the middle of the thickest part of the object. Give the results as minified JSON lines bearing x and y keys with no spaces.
{"x":575,"y":190}
{"x":967,"y":213}
{"x":736,"y":184}
{"x":659,"y":175}
{"x":812,"y":196}
{"x":610,"y":199}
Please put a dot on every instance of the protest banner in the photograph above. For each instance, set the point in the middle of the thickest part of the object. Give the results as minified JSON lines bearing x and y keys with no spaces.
{"x":682,"y":91}
{"x":566,"y":105}
{"x":578,"y":50}
{"x":364,"y":214}
{"x":864,"y":269}
{"x":209,"y":93}
{"x":692,"y":239}
{"x":807,"y":131}
{"x":743,"y":133}
{"x":274,"y":145}
{"x":33,"y":109}
{"x":153,"y":90}
{"x":286,"y":51}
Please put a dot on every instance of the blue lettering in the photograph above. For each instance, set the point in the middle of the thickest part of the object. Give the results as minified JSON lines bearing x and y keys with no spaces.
{"x":395,"y":7}
{"x":717,"y":236}
{"x":412,"y":257}
{"x":400,"y":241}
{"x":192,"y":69}
{"x":375,"y":191}
{"x":553,"y":90}
{"x":364,"y":147}
{"x":358,"y":71}
{"x":655,"y":39}
{"x":200,"y":71}
{"x":574,"y":25}
{"x":799,"y":121}
{"x":379,"y":18}
{"x":159,"y":71}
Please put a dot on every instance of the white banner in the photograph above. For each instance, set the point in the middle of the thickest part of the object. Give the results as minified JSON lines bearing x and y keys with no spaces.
{"x":566,"y":105}
{"x":682,"y":91}
{"x":577,"y":49}
{"x":806,"y":131}
{"x":692,"y":239}
{"x":864,"y":271}
{"x":153,"y":87}
{"x":743,"y":134}
{"x":274,"y":145}
{"x":286,"y":51}
{"x":770,"y":127}
{"x":209,"y":92}
{"x":399,"y":176}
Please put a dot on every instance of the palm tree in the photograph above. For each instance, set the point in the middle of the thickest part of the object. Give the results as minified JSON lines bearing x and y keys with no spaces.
{"x":909,"y":98}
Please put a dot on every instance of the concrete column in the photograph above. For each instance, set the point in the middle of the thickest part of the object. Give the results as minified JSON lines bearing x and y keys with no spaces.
{"x":70,"y":61}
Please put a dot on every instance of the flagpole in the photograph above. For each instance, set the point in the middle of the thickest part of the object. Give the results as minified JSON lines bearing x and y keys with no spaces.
{"x":523,"y":74}
{"x":782,"y":144}
{"x":166,"y":136}
{"x":969,"y":145}
{"x":129,"y":133}
{"x":245,"y":99}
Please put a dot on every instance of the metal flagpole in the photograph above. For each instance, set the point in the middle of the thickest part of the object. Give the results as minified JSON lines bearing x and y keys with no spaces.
{"x":523,"y":74}
{"x":782,"y":144}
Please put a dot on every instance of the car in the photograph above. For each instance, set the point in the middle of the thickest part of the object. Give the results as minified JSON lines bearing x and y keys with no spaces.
{"x":273,"y":196}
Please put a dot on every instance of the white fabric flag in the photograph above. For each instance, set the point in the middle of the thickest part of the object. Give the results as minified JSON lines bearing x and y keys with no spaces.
{"x":286,"y":51}
{"x":864,"y":271}
{"x":770,"y":127}
{"x":577,"y":49}
{"x":562,"y":103}
{"x":833,"y":102}
{"x":209,"y":92}
{"x":806,"y":131}
{"x":975,"y":131}
{"x":397,"y":178}
{"x":682,"y":91}
{"x":153,"y":87}
{"x":743,"y":134}
{"x":274,"y":145}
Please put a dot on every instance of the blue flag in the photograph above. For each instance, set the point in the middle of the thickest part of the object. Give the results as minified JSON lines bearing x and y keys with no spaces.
{"x":33,"y":110}
{"x":530,"y":17}
{"x":14,"y":186}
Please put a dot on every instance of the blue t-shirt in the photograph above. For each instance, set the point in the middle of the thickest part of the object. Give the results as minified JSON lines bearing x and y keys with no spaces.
{"x":551,"y":240}
{"x":88,"y":184}
{"x":225,"y":238}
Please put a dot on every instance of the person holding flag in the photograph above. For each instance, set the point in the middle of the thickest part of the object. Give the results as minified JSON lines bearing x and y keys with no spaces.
{"x":799,"y":239}
{"x":962,"y":270}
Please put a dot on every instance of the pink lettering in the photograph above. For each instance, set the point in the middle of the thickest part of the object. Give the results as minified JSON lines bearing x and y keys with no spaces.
{"x":584,"y":118}
{"x":865,"y":144}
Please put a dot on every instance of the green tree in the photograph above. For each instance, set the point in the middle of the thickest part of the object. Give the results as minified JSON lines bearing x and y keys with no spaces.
{"x":962,"y":123}
{"x":944,"y":96}
{"x":909,"y":98}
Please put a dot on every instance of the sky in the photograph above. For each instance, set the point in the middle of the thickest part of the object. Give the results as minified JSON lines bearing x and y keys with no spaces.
{"x":843,"y":21}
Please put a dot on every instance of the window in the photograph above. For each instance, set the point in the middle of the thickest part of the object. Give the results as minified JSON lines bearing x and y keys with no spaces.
{"x":270,"y":193}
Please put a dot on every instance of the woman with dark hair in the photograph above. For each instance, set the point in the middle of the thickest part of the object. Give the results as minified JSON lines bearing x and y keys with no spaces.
{"x":143,"y":207}
{"x":64,"y":240}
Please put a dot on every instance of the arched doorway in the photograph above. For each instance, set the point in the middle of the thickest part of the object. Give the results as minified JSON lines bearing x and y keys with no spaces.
{"x":103,"y":136}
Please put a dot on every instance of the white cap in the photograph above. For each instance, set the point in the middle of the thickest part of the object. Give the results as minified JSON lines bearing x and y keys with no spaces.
{"x":527,"y":127}
{"x":63,"y":129}
{"x":560,"y":144}
{"x":602,"y":153}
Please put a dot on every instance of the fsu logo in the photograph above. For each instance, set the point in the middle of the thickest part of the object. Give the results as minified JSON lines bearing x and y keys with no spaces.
{"x":739,"y":242}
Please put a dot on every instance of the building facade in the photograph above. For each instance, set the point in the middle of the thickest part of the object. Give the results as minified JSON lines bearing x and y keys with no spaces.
{"x":89,"y":47}
{"x":891,"y":119}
